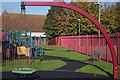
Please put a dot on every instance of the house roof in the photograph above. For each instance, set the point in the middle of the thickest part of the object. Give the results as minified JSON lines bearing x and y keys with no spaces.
{"x":12,"y":21}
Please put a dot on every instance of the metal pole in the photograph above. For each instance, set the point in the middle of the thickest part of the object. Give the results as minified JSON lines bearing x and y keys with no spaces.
{"x":79,"y":26}
{"x":99,"y":30}
{"x":41,"y":52}
{"x":117,"y":35}
{"x":12,"y":36}
{"x":99,"y":22}
{"x":99,"y":16}
{"x":35,"y":49}
{"x":8,"y":44}
{"x":16,"y":37}
{"x":79,"y":31}
{"x":40,"y":41}
{"x":20,"y":39}
{"x":84,"y":13}
{"x":5,"y":39}
{"x":4,"y":35}
{"x":30,"y":44}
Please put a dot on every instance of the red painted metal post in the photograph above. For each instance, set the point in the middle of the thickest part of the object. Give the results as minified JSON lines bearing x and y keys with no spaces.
{"x":73,"y":43}
{"x":77,"y":44}
{"x":68,"y":6}
{"x":55,"y":41}
{"x":87,"y":44}
{"x":118,"y":48}
{"x":91,"y":46}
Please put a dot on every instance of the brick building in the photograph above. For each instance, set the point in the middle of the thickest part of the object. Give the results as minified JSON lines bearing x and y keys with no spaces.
{"x":27,"y":22}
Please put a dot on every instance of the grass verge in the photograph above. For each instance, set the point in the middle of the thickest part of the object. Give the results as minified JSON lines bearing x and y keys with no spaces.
{"x":39,"y":65}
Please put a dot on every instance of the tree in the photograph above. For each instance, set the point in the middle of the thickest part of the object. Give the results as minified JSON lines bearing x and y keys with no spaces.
{"x":118,"y":17}
{"x":110,"y":18}
{"x":61,"y":21}
{"x":87,"y":27}
{"x":55,"y":23}
{"x":48,"y":27}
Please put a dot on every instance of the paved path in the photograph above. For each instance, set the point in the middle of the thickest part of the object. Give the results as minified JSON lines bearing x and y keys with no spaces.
{"x":71,"y":65}
{"x":54,"y":74}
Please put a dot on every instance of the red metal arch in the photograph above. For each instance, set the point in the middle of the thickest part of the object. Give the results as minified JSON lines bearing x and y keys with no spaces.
{"x":68,"y":6}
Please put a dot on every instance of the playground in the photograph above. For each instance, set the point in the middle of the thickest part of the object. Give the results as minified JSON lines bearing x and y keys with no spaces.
{"x":57,"y":61}
{"x":25,"y":57}
{"x":47,"y":61}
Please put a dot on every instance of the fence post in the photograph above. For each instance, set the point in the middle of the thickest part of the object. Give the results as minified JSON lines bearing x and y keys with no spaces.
{"x":118,"y":47}
{"x":87,"y":44}
{"x":77,"y":44}
{"x":106,"y":50}
{"x":56,"y":41}
{"x":116,"y":36}
{"x":74,"y":43}
{"x":99,"y":37}
{"x":91,"y":47}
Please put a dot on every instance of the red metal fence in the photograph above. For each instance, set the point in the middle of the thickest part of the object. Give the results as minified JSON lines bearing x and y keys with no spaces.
{"x":87,"y":44}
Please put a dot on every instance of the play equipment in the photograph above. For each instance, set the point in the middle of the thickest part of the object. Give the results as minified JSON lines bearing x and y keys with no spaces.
{"x":17,"y":43}
{"x":21,"y":50}
{"x":99,"y":26}
{"x":22,"y":72}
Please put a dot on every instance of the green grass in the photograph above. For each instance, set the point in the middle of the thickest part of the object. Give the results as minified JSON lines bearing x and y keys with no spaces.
{"x":0,"y":68}
{"x":99,"y":67}
{"x":61,"y":52}
{"x":39,"y":65}
{"x":48,"y":64}
{"x":96,"y":68}
{"x":91,"y":69}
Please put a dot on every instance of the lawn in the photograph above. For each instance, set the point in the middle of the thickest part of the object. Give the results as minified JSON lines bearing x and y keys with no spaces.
{"x":49,"y":65}
{"x":99,"y":67}
{"x":61,"y":52}
{"x":96,"y":68}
